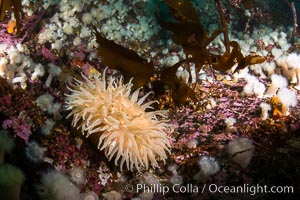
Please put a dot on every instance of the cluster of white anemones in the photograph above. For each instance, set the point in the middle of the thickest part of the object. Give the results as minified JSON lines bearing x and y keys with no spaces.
{"x":126,"y":131}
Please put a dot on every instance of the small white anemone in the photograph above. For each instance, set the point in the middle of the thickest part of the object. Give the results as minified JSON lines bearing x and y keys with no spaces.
{"x":288,"y":99}
{"x":89,"y":196}
{"x":241,"y":150}
{"x":278,"y":82}
{"x":54,"y":186}
{"x":77,"y":176}
{"x":265,"y":108}
{"x":209,"y":166}
{"x":35,"y":152}
{"x":112,"y":195}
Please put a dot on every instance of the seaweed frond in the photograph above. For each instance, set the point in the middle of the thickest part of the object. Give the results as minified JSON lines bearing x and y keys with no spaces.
{"x":190,"y":34}
{"x":125,"y":60}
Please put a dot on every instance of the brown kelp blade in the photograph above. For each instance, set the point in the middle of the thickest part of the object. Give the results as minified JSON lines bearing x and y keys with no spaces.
{"x":183,"y":10}
{"x":17,"y":10}
{"x":188,"y":32}
{"x":249,"y":60}
{"x":180,"y":90}
{"x":229,"y":58}
{"x":187,"y":28}
{"x":183,"y":92}
{"x":4,"y":6}
{"x":125,"y":60}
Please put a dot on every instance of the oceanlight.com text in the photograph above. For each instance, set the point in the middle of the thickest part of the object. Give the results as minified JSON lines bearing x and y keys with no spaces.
{"x":211,"y":188}
{"x":250,"y":189}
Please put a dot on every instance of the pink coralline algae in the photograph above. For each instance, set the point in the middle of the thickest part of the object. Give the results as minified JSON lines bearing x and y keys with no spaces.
{"x":64,"y":151}
{"x":49,"y":55}
{"x":5,"y":101}
{"x":20,"y":127}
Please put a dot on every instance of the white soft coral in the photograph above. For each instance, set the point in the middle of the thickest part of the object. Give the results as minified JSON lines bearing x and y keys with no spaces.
{"x":253,"y":87}
{"x":293,"y":62}
{"x":278,"y":82}
{"x":288,"y":99}
{"x":290,"y":66}
{"x":265,"y":108}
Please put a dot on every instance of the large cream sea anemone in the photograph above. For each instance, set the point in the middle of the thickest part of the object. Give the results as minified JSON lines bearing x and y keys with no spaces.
{"x":104,"y":107}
